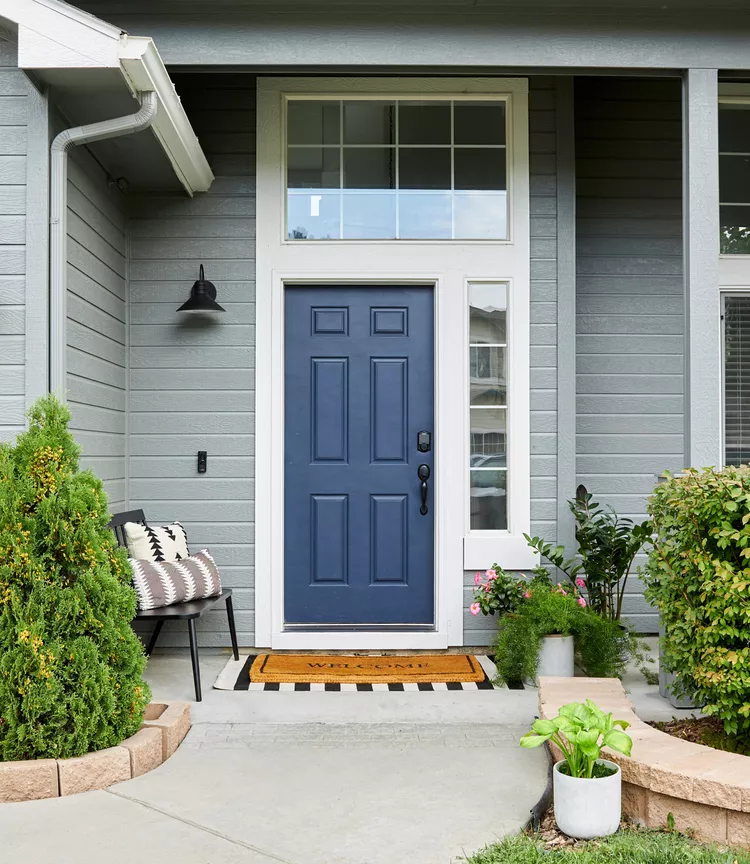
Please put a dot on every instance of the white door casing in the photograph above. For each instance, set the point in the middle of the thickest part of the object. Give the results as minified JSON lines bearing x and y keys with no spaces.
{"x":450,"y":266}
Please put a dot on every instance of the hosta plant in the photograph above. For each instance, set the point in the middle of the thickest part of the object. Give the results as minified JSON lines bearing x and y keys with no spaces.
{"x":580,"y":730}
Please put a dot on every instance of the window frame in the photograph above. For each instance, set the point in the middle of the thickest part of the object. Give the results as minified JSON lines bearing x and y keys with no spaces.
{"x":397,"y":96}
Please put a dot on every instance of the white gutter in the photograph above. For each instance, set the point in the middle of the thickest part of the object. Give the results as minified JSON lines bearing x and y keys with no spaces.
{"x":63,"y":143}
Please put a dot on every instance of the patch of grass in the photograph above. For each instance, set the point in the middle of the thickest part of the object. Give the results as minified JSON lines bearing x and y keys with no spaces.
{"x":629,"y":846}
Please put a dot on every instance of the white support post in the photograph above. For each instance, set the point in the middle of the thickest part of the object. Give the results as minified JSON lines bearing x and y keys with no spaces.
{"x":703,"y":433}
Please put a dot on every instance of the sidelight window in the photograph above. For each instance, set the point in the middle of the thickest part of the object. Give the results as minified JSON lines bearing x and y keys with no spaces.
{"x":396,"y":169}
{"x":488,"y":406}
{"x":734,"y":177}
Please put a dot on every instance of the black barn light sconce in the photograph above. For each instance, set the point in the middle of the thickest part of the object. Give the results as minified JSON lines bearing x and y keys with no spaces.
{"x":202,"y":297}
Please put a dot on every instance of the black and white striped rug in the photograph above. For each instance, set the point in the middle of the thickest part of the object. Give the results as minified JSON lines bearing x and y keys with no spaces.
{"x":236,"y":676}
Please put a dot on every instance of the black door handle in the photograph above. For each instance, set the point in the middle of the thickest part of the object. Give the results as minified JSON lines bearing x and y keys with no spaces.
{"x":423,"y":472}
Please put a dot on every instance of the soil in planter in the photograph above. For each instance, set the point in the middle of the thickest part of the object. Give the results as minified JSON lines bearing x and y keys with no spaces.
{"x":708,"y":731}
{"x":599,"y":772}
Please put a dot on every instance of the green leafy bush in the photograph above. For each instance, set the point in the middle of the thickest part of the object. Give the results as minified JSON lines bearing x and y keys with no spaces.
{"x":547,"y":610}
{"x":70,"y":665}
{"x":607,"y":546}
{"x":698,"y":575}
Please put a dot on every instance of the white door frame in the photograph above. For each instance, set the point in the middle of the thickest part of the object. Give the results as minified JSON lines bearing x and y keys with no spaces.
{"x":450,"y":266}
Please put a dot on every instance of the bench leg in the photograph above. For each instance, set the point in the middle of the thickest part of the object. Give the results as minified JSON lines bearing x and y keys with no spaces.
{"x":194,"y":657}
{"x":232,"y":629}
{"x":154,"y":636}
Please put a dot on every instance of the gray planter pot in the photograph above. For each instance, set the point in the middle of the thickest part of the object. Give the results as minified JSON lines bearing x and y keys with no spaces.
{"x":667,"y":679}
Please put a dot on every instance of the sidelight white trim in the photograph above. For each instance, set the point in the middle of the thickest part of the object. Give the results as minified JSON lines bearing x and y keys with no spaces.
{"x":449,"y":266}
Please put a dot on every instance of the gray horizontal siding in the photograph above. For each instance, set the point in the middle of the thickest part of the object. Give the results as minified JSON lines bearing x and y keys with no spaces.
{"x":480,"y":630}
{"x":97,"y":323}
{"x":192,"y":378}
{"x":629,"y":295}
{"x":13,"y":123}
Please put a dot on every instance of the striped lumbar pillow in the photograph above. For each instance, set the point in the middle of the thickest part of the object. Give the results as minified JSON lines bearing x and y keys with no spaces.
{"x":165,"y":543}
{"x":161,"y":583}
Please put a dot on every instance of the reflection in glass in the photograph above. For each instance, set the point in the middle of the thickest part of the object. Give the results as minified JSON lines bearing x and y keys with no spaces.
{"x":369,"y":168}
{"x":440,"y":166}
{"x":734,"y":178}
{"x":735,"y":230}
{"x":488,"y":303}
{"x":424,"y":123}
{"x":313,"y":168}
{"x":369,"y":214}
{"x":311,"y":122}
{"x":313,"y":214}
{"x":487,"y":381}
{"x":369,"y":123}
{"x":424,"y":215}
{"x":488,"y":500}
{"x":480,"y":216}
{"x":479,"y":122}
{"x":479,"y":168}
{"x":487,"y":438}
{"x":424,"y":169}
{"x":734,"y":128}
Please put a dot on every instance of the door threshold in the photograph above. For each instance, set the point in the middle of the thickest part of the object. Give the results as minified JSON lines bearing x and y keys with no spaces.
{"x":359,"y":628}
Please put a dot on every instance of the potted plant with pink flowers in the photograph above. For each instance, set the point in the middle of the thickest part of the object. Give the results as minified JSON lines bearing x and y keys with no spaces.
{"x":551,"y":630}
{"x":497,"y":592}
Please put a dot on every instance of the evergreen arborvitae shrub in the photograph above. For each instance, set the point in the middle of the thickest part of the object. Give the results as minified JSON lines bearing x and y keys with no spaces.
{"x":698,"y":575}
{"x":70,"y":665}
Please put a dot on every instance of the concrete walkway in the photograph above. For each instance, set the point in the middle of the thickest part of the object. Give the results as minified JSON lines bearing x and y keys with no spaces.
{"x":308,"y":778}
{"x":303,"y":778}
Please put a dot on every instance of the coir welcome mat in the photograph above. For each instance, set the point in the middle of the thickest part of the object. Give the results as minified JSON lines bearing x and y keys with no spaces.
{"x":343,"y":669}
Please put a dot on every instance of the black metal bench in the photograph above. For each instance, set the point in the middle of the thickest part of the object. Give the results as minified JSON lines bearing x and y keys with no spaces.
{"x":189,"y":611}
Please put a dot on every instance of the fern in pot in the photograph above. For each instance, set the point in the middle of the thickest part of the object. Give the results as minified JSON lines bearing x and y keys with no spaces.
{"x":587,"y":789}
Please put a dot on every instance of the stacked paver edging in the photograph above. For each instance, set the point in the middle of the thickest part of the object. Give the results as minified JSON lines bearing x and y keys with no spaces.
{"x":165,"y":725}
{"x":705,"y":790}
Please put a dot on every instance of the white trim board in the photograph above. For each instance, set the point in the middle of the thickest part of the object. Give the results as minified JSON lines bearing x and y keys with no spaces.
{"x":450,"y":266}
{"x":55,"y":36}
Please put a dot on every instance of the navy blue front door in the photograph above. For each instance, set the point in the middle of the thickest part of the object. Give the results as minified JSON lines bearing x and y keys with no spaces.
{"x":358,"y":391}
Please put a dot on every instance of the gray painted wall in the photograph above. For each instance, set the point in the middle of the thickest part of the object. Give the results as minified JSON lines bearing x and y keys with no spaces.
{"x":543,"y":207}
{"x":97,"y":377}
{"x":191,"y":376}
{"x":13,"y":121}
{"x":629,"y":294}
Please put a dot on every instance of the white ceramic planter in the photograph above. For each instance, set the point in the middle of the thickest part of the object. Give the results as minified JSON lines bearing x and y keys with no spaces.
{"x":556,"y":658}
{"x":587,"y":808}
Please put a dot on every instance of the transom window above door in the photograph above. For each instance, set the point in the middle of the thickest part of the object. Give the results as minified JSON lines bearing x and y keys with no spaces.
{"x":401,"y":169}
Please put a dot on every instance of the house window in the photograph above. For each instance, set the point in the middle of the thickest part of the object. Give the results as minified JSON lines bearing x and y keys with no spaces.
{"x":737,"y":379}
{"x":396,"y":169}
{"x":734,"y":177}
{"x":488,"y":406}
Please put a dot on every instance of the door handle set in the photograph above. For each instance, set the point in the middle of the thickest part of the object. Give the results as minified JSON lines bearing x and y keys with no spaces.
{"x":423,"y":472}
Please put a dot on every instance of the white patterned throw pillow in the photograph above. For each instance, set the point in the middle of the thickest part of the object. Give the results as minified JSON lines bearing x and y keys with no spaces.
{"x":162,"y":583}
{"x":163,"y":543}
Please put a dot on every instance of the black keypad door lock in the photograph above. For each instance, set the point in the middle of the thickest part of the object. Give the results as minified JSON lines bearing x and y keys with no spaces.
{"x":424,"y":442}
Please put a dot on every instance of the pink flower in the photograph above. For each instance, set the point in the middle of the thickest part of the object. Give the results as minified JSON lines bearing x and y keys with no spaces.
{"x":490,"y":574}
{"x":493,"y":576}
{"x":478,"y":579}
{"x":488,"y":587}
{"x":563,"y":592}
{"x":581,"y":602}
{"x":527,"y":594}
{"x":581,"y":582}
{"x":474,"y":608}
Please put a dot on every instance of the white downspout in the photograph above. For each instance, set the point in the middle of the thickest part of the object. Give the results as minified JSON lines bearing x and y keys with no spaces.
{"x":65,"y":141}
